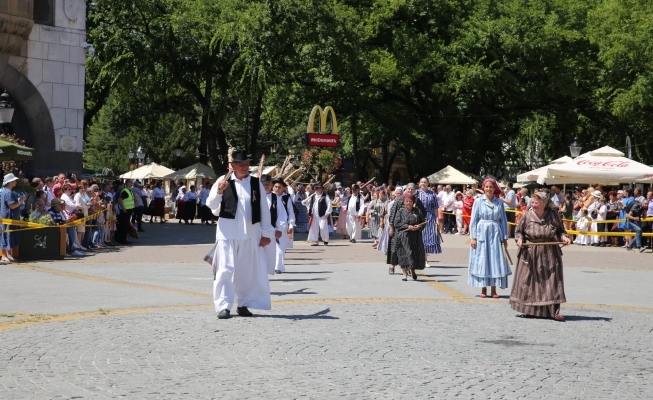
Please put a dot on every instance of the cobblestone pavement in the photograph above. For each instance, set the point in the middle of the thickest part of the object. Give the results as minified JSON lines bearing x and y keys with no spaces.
{"x":139,"y":323}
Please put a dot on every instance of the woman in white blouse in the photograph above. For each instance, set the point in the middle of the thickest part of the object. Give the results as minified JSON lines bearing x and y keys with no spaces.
{"x":81,"y":204}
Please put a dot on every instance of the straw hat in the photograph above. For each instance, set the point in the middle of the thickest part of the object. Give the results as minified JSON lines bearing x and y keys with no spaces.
{"x":597,"y":195}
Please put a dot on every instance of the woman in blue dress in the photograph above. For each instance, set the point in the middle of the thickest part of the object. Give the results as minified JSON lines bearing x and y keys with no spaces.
{"x":488,"y":232}
{"x":9,"y":209}
{"x":430,"y":232}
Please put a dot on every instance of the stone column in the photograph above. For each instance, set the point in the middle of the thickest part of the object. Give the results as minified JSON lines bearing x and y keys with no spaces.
{"x":15,"y":25}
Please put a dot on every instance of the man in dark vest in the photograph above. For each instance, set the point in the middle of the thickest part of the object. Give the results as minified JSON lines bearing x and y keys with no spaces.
{"x":243,"y":228}
{"x":286,"y":224}
{"x":319,"y":209}
{"x":355,"y":210}
{"x":278,"y":220}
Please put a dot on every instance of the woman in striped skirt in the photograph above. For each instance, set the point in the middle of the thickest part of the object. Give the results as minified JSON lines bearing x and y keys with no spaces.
{"x":539,"y":288}
{"x":488,"y":232}
{"x":430,"y":234}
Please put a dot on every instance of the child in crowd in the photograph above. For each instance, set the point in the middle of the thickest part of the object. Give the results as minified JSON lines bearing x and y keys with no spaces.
{"x":583,"y":224}
{"x":458,"y":207}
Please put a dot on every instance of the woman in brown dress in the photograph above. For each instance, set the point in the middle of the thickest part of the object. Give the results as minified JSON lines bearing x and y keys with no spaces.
{"x":538,"y":288}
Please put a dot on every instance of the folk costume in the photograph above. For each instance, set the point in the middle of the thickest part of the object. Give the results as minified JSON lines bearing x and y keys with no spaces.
{"x":319,"y":207}
{"x":285,"y":242}
{"x":538,"y":288}
{"x":409,"y":244}
{"x":190,"y":206}
{"x":487,"y":264}
{"x":385,"y":236}
{"x":276,"y":222}
{"x":355,"y":210}
{"x":391,"y":254}
{"x":240,"y":263}
{"x":376,"y":212}
{"x":430,"y":234}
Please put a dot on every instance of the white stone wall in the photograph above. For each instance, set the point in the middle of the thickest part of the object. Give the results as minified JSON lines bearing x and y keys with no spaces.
{"x":54,"y":62}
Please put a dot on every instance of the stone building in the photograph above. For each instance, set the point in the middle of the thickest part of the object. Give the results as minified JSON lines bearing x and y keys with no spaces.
{"x":42,"y":55}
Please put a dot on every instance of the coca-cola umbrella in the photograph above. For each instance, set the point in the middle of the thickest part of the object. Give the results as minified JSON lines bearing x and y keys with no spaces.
{"x":603,"y":166}
{"x":15,"y":152}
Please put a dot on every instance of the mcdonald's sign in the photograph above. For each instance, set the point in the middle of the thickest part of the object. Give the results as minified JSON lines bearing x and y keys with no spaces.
{"x":320,"y":138}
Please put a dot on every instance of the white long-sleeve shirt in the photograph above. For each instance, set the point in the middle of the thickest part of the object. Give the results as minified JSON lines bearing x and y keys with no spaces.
{"x":291,"y":214}
{"x":351,"y":206}
{"x":282,"y":214}
{"x":241,"y":228}
{"x":315,"y":210}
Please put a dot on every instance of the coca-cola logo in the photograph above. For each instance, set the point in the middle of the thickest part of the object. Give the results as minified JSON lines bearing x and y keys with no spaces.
{"x":605,"y":164}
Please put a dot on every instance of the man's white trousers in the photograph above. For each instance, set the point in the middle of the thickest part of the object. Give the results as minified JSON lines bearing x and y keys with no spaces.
{"x":241,"y":272}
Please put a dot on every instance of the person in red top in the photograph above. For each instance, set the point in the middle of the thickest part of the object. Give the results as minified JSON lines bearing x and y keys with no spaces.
{"x":468,"y":202}
{"x":62,"y":180}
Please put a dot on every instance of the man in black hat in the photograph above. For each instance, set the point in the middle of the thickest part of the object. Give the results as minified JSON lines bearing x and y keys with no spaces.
{"x":319,"y":209}
{"x":243,"y":228}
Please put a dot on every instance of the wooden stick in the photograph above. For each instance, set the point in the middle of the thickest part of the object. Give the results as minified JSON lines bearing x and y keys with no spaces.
{"x":418,"y":225}
{"x":506,"y":254}
{"x":260,"y":166}
{"x":368,"y":182}
{"x":293,"y":173}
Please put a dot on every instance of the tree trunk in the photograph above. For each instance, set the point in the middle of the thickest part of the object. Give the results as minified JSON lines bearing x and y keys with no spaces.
{"x":256,"y":123}
{"x":206,"y":113}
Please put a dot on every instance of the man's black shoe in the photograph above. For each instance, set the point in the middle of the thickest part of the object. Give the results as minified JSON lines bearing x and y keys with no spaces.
{"x":244,"y":312}
{"x":353,"y":240}
{"x":224,"y":314}
{"x":326,"y":243}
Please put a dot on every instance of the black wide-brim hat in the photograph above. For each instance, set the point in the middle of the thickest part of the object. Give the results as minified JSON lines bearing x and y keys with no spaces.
{"x":240,"y":156}
{"x":265,"y":178}
{"x":275,"y":181}
{"x":316,"y":185}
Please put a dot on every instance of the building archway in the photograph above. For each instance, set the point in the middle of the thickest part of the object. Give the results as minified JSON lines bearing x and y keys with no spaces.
{"x":32,"y":121}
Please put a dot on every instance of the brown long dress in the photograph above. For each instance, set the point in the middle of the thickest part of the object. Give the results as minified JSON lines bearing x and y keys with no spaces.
{"x":538,"y":288}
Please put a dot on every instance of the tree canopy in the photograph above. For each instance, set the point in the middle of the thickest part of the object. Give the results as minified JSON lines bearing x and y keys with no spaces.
{"x":470,"y":83}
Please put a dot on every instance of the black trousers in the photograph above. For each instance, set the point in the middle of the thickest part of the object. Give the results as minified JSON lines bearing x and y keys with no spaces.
{"x":122,"y":226}
{"x":449,"y":222}
{"x":137,"y":217}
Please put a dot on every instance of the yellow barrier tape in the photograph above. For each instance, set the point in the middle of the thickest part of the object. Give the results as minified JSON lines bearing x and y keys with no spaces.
{"x":27,"y":226}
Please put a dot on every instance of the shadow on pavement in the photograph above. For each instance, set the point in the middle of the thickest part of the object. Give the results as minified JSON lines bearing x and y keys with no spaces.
{"x":310,"y":272}
{"x":299,"y":291}
{"x":317,"y":315}
{"x":298,"y":280}
{"x":586,"y":318}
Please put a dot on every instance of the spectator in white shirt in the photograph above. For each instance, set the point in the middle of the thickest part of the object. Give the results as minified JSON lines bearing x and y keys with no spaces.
{"x":511,"y":203}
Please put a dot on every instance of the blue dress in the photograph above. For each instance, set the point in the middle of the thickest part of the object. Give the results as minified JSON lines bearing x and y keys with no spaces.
{"x":430,"y":232}
{"x":487,"y":264}
{"x":623,"y":213}
{"x":8,"y":240}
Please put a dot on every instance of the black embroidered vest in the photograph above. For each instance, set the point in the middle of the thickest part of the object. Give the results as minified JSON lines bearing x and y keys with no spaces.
{"x":274,"y":213}
{"x":321,"y":205}
{"x":229,"y":203}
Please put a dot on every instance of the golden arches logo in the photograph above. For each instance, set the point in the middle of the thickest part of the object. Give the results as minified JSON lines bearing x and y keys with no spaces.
{"x":324,"y":113}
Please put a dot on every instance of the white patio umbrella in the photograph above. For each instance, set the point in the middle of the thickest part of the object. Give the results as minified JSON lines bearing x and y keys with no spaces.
{"x":606,"y":166}
{"x":533,"y":175}
{"x":450,"y":176}
{"x":149,"y":171}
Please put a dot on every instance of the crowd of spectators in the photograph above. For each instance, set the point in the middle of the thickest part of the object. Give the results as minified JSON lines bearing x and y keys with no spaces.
{"x":96,"y":213}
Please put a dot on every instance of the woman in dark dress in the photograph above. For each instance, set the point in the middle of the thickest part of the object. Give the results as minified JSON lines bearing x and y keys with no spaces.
{"x":539,"y":288}
{"x":408,"y":237}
